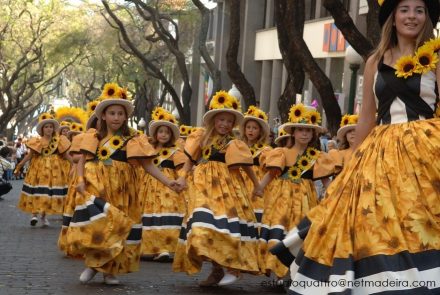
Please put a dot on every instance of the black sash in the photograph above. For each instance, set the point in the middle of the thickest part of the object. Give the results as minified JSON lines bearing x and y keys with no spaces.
{"x":400,"y":88}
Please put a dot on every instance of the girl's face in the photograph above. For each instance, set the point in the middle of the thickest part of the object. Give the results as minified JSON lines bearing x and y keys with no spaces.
{"x":303,"y":135}
{"x":114,"y":116}
{"x":64,"y":131}
{"x":223,"y":123}
{"x":48,"y":129}
{"x":252,"y":130}
{"x":409,"y":18}
{"x":163,"y":134}
{"x":350,"y":136}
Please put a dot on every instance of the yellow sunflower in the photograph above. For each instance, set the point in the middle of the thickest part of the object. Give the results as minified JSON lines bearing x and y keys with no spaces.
{"x":294,"y":173}
{"x":262,"y":115}
{"x":345,"y":119}
{"x":314,"y":117}
{"x":380,"y":2}
{"x":304,"y":163}
{"x":206,"y":152}
{"x":91,"y":106}
{"x":139,"y":132}
{"x":233,"y":103}
{"x":74,"y":127}
{"x":165,"y":152}
{"x":260,"y":145}
{"x":434,"y":44}
{"x":312,"y":153}
{"x":282,"y":132}
{"x":353,"y":119}
{"x":426,"y":60}
{"x":219,"y":100}
{"x":251,"y":110}
{"x":116,"y":142}
{"x":103,"y":153}
{"x":54,"y":139}
{"x":52,"y":146}
{"x":46,"y":152}
{"x":253,"y":151}
{"x":122,"y":93}
{"x":184,"y":130}
{"x":45,"y":116}
{"x":405,"y":66}
{"x":110,"y":90}
{"x":156,"y":161}
{"x":296,"y":113}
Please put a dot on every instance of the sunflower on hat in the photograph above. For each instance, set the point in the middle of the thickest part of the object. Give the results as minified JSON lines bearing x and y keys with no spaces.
{"x":45,"y":116}
{"x":185,"y":130}
{"x":71,"y":114}
{"x":161,"y":117}
{"x":91,"y":106}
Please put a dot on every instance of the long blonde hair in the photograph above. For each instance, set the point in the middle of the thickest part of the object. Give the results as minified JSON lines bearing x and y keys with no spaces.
{"x":388,"y":38}
{"x":210,"y":132}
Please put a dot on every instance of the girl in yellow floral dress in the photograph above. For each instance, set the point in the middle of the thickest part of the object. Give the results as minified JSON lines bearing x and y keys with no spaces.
{"x":163,"y":208}
{"x":255,"y":132}
{"x":346,"y":136}
{"x":45,"y":185}
{"x":220,"y":223}
{"x":378,"y":229}
{"x":106,"y":226}
{"x":296,"y":168}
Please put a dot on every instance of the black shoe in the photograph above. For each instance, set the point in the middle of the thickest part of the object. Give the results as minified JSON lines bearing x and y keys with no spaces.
{"x":34,"y":221}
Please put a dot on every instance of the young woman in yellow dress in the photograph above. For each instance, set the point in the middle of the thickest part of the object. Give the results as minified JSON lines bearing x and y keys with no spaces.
{"x":220,"y":225}
{"x":378,"y":229}
{"x":69,"y":205}
{"x":346,"y":136}
{"x":296,"y":168}
{"x":46,"y":182}
{"x":255,"y":133}
{"x":163,"y":207}
{"x":106,"y":226}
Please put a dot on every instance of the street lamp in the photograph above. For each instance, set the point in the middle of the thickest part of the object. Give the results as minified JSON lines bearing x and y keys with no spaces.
{"x":354,"y":60}
{"x":235,"y":93}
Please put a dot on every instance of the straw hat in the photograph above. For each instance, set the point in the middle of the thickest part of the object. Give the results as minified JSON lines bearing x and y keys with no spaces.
{"x":348,"y":122}
{"x":114,"y":95}
{"x":44,"y":119}
{"x":304,"y":117}
{"x":256,"y":114}
{"x":161,"y":117}
{"x":223,"y":102}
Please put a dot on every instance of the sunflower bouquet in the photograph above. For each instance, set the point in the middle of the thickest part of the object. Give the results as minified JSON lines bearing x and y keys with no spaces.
{"x":424,"y":60}
{"x":256,"y":112}
{"x":222,"y":100}
{"x":161,"y":114}
{"x":300,"y":114}
{"x":303,"y":163}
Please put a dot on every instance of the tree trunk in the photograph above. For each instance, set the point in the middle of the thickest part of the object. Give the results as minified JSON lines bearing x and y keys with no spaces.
{"x":234,"y":70}
{"x":373,"y":27}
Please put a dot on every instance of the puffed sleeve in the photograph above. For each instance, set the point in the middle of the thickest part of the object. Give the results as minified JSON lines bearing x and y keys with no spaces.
{"x":263,"y":156}
{"x":140,"y":148}
{"x":179,"y":158}
{"x":238,"y":154}
{"x":180,"y":143}
{"x":324,"y":166}
{"x":90,"y":141}
{"x":192,"y":145}
{"x":35,"y":144}
{"x":63,"y":144}
{"x":76,"y":143}
{"x":336,"y":157}
{"x":276,"y":159}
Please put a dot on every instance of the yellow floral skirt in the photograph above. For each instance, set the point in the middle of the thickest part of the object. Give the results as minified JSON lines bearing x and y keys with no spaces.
{"x":381,"y":218}
{"x":257,"y":202}
{"x":106,"y":224}
{"x":287,"y":203}
{"x":220,"y":224}
{"x":163,"y":211}
{"x":45,"y":186}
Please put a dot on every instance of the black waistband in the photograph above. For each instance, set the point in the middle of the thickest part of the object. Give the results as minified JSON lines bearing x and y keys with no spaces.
{"x":219,"y":157}
{"x":167,"y":164}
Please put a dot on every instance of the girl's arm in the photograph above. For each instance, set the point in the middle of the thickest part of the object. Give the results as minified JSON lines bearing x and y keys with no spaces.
{"x":152,"y":169}
{"x":183,"y":172}
{"x":68,"y":157}
{"x":267,"y":178}
{"x":26,"y":158}
{"x":250,"y":172}
{"x":367,"y":117}
{"x":81,"y":186}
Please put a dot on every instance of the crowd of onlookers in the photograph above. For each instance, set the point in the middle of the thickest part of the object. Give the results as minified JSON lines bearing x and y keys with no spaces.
{"x":11,"y":152}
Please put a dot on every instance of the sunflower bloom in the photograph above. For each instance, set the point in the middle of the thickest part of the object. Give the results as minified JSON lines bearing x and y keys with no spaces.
{"x":91,"y":106}
{"x":116,"y":142}
{"x":103,"y":153}
{"x":304,"y":163}
{"x":219,"y":100}
{"x":206,"y":152}
{"x":434,"y":44}
{"x":294,"y":173}
{"x":110,"y":90}
{"x":165,"y":152}
{"x":426,"y":60}
{"x":296,"y":113}
{"x":405,"y":66}
{"x":353,"y":119}
{"x":46,"y":152}
{"x":312,"y":153}
{"x":314,"y":117}
{"x":156,"y":161}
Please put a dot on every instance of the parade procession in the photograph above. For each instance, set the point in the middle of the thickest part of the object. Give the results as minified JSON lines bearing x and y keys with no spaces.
{"x":120,"y":193}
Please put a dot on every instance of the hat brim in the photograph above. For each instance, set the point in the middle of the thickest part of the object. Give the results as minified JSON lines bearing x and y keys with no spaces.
{"x":263,"y":124}
{"x":279,"y":138}
{"x":343,"y":130}
{"x":209,"y":115}
{"x":102,"y":105}
{"x":40,"y":125}
{"x":71,"y":132}
{"x":90,"y":121}
{"x":156,"y":124}
{"x":62,"y":127}
{"x":388,"y":7}
{"x":288,"y":127}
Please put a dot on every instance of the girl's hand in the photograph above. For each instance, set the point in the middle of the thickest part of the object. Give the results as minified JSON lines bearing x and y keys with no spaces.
{"x":81,"y":187}
{"x":258,"y":191}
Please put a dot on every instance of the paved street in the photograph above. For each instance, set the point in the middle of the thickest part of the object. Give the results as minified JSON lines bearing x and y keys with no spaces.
{"x":31,"y":263}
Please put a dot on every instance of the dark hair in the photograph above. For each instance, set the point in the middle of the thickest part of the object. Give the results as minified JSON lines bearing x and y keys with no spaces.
{"x":5,"y":151}
{"x":102,"y":131}
{"x":170,"y":142}
{"x":314,"y":142}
